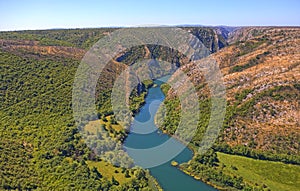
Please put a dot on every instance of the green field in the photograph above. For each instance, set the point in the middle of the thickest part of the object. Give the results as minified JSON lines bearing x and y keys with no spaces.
{"x":275,"y":175}
{"x":109,"y":171}
{"x":93,"y":125}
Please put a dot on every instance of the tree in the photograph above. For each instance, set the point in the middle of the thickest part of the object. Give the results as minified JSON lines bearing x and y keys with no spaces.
{"x":96,"y":172}
{"x":139,"y":174}
{"x":114,"y":181}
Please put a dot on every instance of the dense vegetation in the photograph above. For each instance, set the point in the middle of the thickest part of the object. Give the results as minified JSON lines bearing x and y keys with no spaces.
{"x":40,"y":145}
{"x":208,"y":167}
{"x":60,"y":37}
{"x":232,"y":172}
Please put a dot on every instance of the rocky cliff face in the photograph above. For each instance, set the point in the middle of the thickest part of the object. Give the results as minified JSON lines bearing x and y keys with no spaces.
{"x":213,"y":38}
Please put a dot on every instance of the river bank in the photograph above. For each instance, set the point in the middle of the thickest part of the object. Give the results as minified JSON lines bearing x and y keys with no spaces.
{"x":169,"y":177}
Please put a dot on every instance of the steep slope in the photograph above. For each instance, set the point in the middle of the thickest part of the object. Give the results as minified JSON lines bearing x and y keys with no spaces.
{"x":271,"y":71}
{"x":263,"y":76}
{"x":260,"y":68}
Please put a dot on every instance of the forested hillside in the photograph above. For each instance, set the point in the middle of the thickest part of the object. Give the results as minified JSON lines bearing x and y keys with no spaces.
{"x":40,"y":145}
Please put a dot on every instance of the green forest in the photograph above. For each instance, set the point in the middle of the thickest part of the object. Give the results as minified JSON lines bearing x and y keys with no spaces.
{"x":40,"y":144}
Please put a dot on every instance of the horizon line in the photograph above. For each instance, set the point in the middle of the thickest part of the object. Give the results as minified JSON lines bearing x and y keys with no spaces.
{"x":145,"y":26}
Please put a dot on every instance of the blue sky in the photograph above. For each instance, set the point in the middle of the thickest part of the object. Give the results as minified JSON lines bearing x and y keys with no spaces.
{"x":45,"y":14}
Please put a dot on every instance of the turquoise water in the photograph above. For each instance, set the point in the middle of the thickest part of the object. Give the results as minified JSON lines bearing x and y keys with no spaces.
{"x":144,"y":134}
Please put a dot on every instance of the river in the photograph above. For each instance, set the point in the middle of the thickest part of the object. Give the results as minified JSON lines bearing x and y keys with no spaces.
{"x":169,"y":177}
